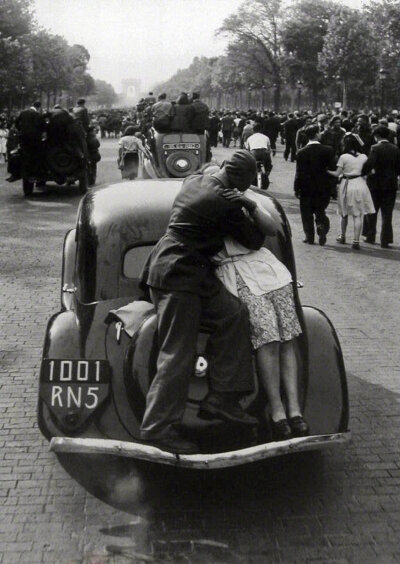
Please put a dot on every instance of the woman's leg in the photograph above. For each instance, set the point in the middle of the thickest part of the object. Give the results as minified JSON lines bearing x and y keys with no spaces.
{"x":343,"y":225}
{"x":357,"y":227}
{"x":288,"y":368}
{"x":268,"y":366}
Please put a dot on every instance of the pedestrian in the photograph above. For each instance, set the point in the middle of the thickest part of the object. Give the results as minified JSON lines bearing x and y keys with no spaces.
{"x":201,"y":111}
{"x":81,"y":114}
{"x":162,"y":112}
{"x":264,"y":284}
{"x":333,"y":135}
{"x":354,"y":198}
{"x":260,"y":147}
{"x":3,"y":140}
{"x":383,"y":167}
{"x":271,"y":128}
{"x":301,"y":137}
{"x":290,"y":128}
{"x":247,"y":131}
{"x":183,"y":114}
{"x":128,"y":153}
{"x":213,"y":128}
{"x":185,"y":291}
{"x":31,"y":124}
{"x":312,"y":185}
{"x":227,"y":126}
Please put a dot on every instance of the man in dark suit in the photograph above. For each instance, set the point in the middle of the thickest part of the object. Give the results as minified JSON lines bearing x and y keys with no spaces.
{"x":185,"y":292}
{"x":384,"y":161}
{"x":312,"y":185}
{"x":271,"y":128}
{"x":30,"y":124}
{"x":290,"y":128}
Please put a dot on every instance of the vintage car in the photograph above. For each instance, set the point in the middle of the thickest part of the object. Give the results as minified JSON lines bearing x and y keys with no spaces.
{"x":174,"y":154}
{"x":98,"y":364}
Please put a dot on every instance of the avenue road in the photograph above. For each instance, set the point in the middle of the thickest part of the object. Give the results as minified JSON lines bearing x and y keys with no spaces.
{"x":342,"y":505}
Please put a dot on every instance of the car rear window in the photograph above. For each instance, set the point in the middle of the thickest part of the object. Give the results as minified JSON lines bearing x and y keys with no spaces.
{"x":134,"y":260}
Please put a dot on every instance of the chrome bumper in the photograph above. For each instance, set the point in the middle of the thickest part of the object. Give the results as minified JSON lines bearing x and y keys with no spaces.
{"x":196,"y":461}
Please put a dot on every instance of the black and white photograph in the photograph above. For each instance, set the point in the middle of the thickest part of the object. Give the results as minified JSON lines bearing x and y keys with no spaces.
{"x":199,"y":281}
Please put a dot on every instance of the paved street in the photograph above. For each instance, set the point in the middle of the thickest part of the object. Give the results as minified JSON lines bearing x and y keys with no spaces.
{"x":341,"y":505}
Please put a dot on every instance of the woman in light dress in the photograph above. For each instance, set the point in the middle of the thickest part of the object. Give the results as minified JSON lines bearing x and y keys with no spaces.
{"x":264,"y":284}
{"x":130,"y":146}
{"x":354,"y":197}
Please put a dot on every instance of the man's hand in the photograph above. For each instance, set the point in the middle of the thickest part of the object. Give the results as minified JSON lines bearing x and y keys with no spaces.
{"x":234,"y":195}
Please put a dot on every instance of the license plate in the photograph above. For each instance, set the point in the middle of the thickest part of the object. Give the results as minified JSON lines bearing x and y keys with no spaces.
{"x":73,"y":389}
{"x":181,"y":146}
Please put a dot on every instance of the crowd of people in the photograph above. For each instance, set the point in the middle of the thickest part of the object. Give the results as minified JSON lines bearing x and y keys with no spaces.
{"x":34,"y":133}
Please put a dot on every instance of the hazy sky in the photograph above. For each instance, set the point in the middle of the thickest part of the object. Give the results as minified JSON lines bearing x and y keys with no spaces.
{"x":145,"y":39}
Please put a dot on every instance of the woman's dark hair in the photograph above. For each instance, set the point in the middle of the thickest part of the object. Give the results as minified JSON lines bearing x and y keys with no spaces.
{"x":182,"y":98}
{"x":350,"y":144}
{"x":130,"y":130}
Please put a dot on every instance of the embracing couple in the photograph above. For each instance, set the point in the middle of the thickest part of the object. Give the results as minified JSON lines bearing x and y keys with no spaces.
{"x":211,"y":267}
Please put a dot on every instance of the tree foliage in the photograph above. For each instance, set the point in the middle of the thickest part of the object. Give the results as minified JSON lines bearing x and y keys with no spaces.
{"x":104,"y":94}
{"x":34,"y":62}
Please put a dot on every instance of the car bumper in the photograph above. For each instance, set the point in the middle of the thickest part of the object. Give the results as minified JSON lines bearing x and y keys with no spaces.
{"x":196,"y":461}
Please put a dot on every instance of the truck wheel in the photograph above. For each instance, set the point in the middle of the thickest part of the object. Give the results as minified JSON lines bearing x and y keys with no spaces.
{"x":83,"y":183}
{"x":27,"y":187}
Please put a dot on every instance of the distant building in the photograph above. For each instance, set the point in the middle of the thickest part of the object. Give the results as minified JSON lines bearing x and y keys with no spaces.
{"x":130,"y":91}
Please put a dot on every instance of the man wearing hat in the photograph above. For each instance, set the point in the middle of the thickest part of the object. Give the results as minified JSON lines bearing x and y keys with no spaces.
{"x":180,"y":277}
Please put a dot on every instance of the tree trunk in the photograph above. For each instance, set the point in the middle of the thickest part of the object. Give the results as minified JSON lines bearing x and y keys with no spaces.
{"x":277,"y":97}
{"x":344,"y":103}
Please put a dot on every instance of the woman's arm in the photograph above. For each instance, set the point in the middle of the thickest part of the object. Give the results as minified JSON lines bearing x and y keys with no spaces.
{"x":338,"y":172}
{"x":263,"y":220}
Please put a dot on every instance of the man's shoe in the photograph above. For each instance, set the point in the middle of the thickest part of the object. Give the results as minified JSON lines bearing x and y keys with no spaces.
{"x":299,"y":426}
{"x":308,"y":241}
{"x":385,"y":246}
{"x":11,"y":178}
{"x":281,"y":430}
{"x":370,"y":240}
{"x":172,"y":442}
{"x":225,"y":407}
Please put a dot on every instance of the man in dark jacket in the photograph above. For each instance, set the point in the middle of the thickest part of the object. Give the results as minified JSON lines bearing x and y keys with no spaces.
{"x":185,"y":292}
{"x":271,"y":128}
{"x":290,"y":128}
{"x":30,"y":124}
{"x":200,"y":120}
{"x":312,"y":185}
{"x":81,"y":114}
{"x":384,"y":160}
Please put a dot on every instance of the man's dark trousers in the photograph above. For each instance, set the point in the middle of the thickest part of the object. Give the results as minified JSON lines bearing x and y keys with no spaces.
{"x":310,"y":206}
{"x":227,"y":320}
{"x":384,"y":200}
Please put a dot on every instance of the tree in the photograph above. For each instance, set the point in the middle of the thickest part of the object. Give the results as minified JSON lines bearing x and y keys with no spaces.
{"x":104,"y":94}
{"x":15,"y":26}
{"x":196,"y":77}
{"x":303,"y":36}
{"x":384,"y":17}
{"x":256,"y":41}
{"x":350,"y":52}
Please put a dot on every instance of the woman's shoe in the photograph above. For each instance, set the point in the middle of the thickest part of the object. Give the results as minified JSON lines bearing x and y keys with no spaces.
{"x":299,"y":426}
{"x":356,"y":245}
{"x":281,"y":430}
{"x":341,"y":239}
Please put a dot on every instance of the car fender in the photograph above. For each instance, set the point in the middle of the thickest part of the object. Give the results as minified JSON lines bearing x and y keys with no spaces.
{"x":326,"y":403}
